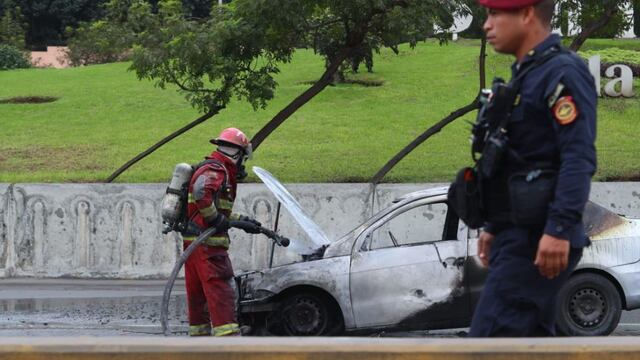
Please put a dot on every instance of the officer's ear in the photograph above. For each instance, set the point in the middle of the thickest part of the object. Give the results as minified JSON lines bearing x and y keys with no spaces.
{"x":529,"y":16}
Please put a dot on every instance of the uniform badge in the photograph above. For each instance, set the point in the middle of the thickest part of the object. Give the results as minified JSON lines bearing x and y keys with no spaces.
{"x":565,"y":110}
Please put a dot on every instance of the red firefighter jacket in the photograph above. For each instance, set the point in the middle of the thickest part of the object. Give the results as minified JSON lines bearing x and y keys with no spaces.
{"x":212,"y":190}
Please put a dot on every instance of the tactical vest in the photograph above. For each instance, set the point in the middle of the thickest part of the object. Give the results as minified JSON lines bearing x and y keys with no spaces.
{"x":499,"y":201}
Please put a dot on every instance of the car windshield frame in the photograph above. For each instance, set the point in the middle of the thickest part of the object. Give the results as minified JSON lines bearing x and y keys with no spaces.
{"x":390,"y":213}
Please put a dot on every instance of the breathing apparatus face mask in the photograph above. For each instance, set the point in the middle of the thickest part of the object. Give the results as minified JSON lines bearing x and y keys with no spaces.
{"x":239,"y":156}
{"x":242,"y":171}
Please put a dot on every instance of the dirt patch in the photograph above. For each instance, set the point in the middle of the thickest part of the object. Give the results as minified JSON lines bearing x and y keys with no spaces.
{"x":50,"y":158}
{"x":632,"y":176}
{"x":365,"y":83}
{"x":29,"y":100}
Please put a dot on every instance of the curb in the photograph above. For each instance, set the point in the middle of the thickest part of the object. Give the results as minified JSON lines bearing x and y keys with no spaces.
{"x":605,"y":348}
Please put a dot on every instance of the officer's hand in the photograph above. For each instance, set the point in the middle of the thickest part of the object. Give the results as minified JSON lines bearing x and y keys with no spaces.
{"x":251,"y":220}
{"x":553,"y":256}
{"x":484,"y":247}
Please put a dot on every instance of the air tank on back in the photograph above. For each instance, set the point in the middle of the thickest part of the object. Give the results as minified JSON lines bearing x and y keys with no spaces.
{"x":174,"y":203}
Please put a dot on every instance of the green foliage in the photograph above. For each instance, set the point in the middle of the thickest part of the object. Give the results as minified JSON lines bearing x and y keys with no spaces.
{"x":614,"y":56}
{"x":12,"y":58}
{"x":235,"y":51}
{"x":479,"y":14}
{"x":110,"y":39}
{"x":603,"y":44}
{"x":99,"y":43}
{"x":589,"y":11}
{"x":562,"y":19}
{"x":347,"y":133}
{"x":47,"y":20}
{"x":366,"y":26}
{"x":210,"y":61}
{"x":12,"y":28}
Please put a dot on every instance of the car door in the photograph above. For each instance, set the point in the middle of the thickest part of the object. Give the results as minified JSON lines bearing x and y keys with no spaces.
{"x":475,"y":273}
{"x":407,"y":269}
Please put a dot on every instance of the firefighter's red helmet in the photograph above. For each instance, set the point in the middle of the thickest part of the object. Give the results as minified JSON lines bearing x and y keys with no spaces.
{"x":235,"y":138}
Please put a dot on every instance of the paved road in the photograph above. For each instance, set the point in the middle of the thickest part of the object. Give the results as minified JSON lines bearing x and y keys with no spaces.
{"x":127,"y":308}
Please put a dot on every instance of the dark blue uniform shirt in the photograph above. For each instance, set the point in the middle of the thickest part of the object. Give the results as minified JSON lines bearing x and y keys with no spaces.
{"x":539,"y":132}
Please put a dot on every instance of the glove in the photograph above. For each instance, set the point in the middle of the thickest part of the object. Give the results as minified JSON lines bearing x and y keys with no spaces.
{"x":251,"y":230}
{"x":221,"y":223}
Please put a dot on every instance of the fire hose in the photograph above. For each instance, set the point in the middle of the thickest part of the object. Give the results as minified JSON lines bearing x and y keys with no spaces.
{"x":164,"y":311}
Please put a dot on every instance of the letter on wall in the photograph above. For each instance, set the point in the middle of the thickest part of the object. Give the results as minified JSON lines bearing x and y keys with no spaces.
{"x":625,"y":80}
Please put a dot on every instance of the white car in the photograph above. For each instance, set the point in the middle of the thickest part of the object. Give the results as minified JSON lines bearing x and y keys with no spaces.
{"x":414,"y":266}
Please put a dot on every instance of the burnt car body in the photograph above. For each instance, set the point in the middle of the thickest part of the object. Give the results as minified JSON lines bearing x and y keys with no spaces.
{"x":414,"y":266}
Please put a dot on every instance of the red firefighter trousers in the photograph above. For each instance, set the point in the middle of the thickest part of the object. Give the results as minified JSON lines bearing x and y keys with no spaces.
{"x":208,"y":276}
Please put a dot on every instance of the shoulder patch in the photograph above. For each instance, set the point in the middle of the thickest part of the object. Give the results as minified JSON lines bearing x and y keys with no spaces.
{"x":565,"y":110}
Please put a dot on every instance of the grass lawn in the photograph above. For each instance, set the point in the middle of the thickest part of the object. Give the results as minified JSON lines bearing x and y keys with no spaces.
{"x":104,"y":116}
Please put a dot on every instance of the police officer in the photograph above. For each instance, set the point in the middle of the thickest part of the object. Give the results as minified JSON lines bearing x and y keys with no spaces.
{"x":552,"y":122}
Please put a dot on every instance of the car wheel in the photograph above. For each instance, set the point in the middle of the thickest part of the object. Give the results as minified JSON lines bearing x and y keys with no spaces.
{"x":590,"y":305}
{"x":307,"y":314}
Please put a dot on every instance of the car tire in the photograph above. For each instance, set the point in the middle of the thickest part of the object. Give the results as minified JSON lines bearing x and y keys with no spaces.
{"x":590,"y":305}
{"x":309,"y":314}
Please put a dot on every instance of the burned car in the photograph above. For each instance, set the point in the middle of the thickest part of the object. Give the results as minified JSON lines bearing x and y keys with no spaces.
{"x":414,"y":266}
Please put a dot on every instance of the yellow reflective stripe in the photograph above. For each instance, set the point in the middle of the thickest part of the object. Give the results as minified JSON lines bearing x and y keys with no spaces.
{"x":225,"y":204}
{"x":200,"y":330}
{"x":208,"y":212}
{"x":228,"y":329}
{"x":219,"y":241}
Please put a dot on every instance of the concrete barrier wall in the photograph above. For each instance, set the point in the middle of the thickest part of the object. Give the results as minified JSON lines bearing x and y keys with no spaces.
{"x":114,"y":231}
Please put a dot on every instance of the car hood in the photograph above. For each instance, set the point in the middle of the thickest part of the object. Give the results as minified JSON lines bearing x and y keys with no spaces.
{"x":317,"y":239}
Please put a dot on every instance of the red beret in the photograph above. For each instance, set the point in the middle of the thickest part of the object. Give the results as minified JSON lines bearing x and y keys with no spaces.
{"x":507,"y":4}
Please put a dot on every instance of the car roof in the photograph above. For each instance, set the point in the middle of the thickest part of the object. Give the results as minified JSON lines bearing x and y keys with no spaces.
{"x":440,"y":190}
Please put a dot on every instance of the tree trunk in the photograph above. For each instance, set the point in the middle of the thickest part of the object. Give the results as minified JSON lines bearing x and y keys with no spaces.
{"x":589,"y":29}
{"x":483,"y":63}
{"x":377,"y":178}
{"x":326,"y":79}
{"x":422,"y":138}
{"x":564,"y":19}
{"x":160,"y":143}
{"x":636,"y":17}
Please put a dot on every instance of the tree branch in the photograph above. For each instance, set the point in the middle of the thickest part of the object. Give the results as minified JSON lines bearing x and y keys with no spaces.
{"x":353,"y":40}
{"x":162,"y":142}
{"x":377,"y":178}
{"x":483,"y":63}
{"x":325,"y":80}
{"x":587,"y":31}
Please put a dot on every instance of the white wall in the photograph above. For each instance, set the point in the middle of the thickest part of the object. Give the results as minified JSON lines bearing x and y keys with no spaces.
{"x":114,"y":231}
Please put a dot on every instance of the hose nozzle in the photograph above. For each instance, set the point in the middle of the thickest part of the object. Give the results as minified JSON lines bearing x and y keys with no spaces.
{"x":246,"y":225}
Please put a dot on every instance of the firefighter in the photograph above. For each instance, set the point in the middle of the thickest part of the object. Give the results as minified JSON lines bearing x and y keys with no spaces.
{"x":208,"y":272}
